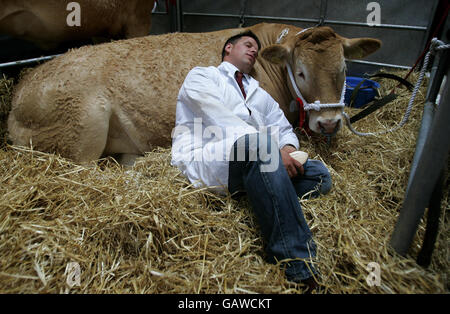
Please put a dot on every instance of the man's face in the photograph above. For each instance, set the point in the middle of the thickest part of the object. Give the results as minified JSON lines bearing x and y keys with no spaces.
{"x":242,"y":53}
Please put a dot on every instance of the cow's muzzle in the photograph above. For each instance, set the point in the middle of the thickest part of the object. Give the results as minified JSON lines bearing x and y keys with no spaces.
{"x":329,"y":135}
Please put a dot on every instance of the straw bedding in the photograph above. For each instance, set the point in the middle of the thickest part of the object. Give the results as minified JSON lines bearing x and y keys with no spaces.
{"x":146,"y":230}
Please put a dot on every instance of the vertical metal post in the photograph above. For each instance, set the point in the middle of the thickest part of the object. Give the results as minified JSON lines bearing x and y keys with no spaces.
{"x":424,"y":179}
{"x":323,"y":12}
{"x":439,"y":68}
{"x":242,"y":13}
{"x":179,"y":14}
{"x":434,"y":212}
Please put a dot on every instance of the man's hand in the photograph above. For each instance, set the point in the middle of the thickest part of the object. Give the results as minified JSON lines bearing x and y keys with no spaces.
{"x":293,"y":167}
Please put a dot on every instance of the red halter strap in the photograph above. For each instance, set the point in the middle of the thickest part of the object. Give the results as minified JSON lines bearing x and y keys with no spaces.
{"x":302,"y":120}
{"x":302,"y":123}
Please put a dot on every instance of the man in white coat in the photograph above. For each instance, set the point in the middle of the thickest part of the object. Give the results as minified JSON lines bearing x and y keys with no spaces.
{"x":232,"y":136}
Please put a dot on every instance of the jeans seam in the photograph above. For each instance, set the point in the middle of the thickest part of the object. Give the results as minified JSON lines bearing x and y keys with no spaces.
{"x":276,"y":209}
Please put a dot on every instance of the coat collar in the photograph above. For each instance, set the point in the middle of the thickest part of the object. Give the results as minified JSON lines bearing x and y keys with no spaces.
{"x":229,"y":69}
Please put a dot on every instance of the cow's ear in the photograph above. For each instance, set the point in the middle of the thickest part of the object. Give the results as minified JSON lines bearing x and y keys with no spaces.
{"x":276,"y":54}
{"x":358,"y":48}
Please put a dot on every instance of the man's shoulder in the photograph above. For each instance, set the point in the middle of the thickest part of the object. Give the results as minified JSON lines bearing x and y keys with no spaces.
{"x":209,"y":72}
{"x":202,"y":76}
{"x":262,"y":90}
{"x":208,"y":69}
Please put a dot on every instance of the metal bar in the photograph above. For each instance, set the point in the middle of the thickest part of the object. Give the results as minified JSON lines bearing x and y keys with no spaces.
{"x":435,"y":5}
{"x":434,"y":212}
{"x":423,"y":182}
{"x":242,"y":13}
{"x":323,"y":11}
{"x":292,"y":19}
{"x":391,"y":26}
{"x":440,"y":64}
{"x":425,"y":126}
{"x":433,"y":71}
{"x":437,"y":75}
{"x":379,"y":64}
{"x":28,"y":61}
{"x":179,"y":26}
{"x":308,"y":21}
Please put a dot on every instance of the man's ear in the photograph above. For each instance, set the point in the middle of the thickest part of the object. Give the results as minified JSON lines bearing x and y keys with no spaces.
{"x":358,"y":48}
{"x":276,"y":54}
{"x":228,"y":48}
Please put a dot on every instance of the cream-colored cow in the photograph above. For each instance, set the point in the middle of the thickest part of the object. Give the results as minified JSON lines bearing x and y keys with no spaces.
{"x":48,"y":23}
{"x":120,"y":98}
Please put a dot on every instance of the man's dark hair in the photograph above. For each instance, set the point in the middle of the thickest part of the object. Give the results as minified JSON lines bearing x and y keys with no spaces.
{"x":235,"y":38}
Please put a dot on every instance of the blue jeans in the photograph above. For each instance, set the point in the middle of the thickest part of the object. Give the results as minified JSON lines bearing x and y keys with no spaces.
{"x":274,"y":200}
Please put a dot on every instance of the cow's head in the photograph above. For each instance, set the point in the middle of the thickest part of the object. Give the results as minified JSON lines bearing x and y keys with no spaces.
{"x":317,"y":59}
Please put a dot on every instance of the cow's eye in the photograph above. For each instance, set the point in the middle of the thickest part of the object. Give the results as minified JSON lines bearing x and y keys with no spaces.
{"x":301,"y":75}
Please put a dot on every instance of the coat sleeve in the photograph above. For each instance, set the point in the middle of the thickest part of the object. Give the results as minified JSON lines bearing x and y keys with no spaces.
{"x":275,"y":117}
{"x":200,"y":93}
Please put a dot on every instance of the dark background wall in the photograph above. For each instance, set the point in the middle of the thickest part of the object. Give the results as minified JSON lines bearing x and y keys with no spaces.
{"x":406,"y":25}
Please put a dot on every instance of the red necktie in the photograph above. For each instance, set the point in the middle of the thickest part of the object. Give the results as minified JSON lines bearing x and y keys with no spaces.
{"x":239,"y":76}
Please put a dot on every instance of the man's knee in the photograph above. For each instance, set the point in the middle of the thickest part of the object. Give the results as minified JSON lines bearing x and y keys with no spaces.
{"x":326,"y":184}
{"x":315,"y":168}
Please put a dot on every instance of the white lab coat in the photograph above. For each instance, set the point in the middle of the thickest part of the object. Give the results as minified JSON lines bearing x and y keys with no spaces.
{"x":212,"y":114}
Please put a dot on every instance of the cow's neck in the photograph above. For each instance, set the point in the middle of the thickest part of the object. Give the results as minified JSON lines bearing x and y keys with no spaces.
{"x":273,"y":78}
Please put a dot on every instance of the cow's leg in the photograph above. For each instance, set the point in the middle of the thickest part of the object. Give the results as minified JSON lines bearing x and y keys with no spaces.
{"x":127,"y":160}
{"x":82,"y":147}
{"x":122,"y":141}
{"x":94,"y":130}
{"x":17,"y":133}
{"x":72,"y":124}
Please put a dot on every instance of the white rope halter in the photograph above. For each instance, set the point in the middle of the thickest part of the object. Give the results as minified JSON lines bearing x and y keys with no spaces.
{"x":316,"y":105}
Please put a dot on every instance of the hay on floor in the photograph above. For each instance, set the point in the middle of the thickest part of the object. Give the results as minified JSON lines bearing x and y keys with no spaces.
{"x":146,"y":230}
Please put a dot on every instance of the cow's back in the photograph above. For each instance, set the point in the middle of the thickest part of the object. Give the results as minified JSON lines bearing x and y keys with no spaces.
{"x":152,"y":74}
{"x":137,"y":80}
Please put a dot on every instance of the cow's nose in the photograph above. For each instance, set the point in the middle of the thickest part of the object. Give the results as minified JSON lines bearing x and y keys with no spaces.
{"x":329,"y":126}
